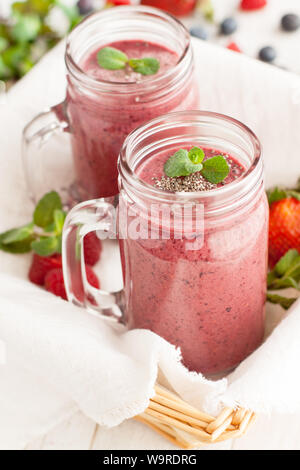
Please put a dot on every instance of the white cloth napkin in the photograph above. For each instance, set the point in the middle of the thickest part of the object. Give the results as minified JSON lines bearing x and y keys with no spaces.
{"x":55,"y":358}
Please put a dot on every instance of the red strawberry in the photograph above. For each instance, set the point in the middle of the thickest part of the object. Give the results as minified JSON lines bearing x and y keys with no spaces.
{"x":92,"y":248}
{"x":176,"y":7}
{"x":117,"y":3}
{"x":233,"y":47}
{"x":284,"y":228}
{"x":54,"y":281}
{"x":41,"y":265}
{"x":253,"y":4}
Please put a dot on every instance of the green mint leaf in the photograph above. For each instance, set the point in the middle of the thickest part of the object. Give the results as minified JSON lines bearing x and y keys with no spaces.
{"x":196,"y":155}
{"x":284,"y":302}
{"x":145,"y":66}
{"x":46,"y":246}
{"x":286,"y":261}
{"x":59,"y":219}
{"x":21,"y":246}
{"x":286,"y":272}
{"x":17,"y":234}
{"x":111,"y":58}
{"x":215,"y":169}
{"x":44,"y":211}
{"x":179,"y":164}
{"x":3,"y":44}
{"x":26,"y":27}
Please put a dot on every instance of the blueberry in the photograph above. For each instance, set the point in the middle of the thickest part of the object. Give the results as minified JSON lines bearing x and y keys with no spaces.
{"x":85,"y":6}
{"x":267,"y":54}
{"x":290,"y":22}
{"x":228,"y":26}
{"x":199,"y":32}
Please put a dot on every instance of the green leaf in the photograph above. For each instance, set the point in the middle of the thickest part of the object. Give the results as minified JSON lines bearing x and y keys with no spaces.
{"x":111,"y":58}
{"x":59,"y":219}
{"x":22,"y":245}
{"x":196,"y":155}
{"x":145,"y":66}
{"x":285,"y":262}
{"x":46,"y":246}
{"x":215,"y":169}
{"x":284,"y":302}
{"x":286,"y":272}
{"x":275,"y":194}
{"x":26,"y":27}
{"x":179,"y":164}
{"x":44,"y":211}
{"x":5,"y":71}
{"x":41,"y":7}
{"x":15,"y":54}
{"x":3,"y":44}
{"x":17,"y":234}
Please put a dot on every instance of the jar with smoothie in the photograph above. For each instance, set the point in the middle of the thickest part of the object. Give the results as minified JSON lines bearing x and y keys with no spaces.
{"x":193,"y":247}
{"x":105,"y":101}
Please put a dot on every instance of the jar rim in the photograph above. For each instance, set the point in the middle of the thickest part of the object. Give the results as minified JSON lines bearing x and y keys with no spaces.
{"x":249,"y":180}
{"x":124,"y":87}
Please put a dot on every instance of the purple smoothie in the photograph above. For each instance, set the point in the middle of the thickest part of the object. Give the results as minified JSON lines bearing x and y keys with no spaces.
{"x":100,"y":122}
{"x":209,"y":301}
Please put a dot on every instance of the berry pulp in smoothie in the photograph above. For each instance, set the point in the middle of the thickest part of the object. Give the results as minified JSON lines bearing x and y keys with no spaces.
{"x":208,"y":301}
{"x":100,"y":121}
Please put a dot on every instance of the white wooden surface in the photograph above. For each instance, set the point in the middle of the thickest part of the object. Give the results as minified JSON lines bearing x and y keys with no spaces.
{"x":80,"y":433}
{"x":275,"y":432}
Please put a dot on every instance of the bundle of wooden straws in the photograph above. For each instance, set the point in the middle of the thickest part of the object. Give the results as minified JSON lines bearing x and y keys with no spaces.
{"x":188,"y":428}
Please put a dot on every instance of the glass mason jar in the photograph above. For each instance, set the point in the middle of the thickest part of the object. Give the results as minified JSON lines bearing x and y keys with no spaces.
{"x":99,"y":114}
{"x":204,"y":290}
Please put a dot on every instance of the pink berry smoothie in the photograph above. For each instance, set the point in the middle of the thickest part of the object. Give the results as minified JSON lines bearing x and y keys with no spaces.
{"x":209,"y":301}
{"x":100,"y":122}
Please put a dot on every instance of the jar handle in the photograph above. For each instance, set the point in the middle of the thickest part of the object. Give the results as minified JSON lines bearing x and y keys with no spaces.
{"x":36,"y":133}
{"x":89,"y":216}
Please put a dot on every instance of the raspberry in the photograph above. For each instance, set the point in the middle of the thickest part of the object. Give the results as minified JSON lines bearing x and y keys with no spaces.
{"x":233,"y":47}
{"x":92,"y":248}
{"x":253,"y":4}
{"x":54,"y":281}
{"x":41,"y":265}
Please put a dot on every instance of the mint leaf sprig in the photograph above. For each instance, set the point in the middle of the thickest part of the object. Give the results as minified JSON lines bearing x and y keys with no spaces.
{"x":184,"y":163}
{"x":43,"y":234}
{"x":285,"y":274}
{"x":111,"y":58}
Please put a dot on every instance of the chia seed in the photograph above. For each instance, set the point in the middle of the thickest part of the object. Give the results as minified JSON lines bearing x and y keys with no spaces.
{"x":190,"y":183}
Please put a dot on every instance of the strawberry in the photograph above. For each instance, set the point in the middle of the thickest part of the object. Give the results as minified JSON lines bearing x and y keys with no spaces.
{"x":284,"y":228}
{"x":117,"y":3}
{"x":54,"y":281}
{"x":176,"y":7}
{"x":233,"y":47}
{"x":92,"y":248}
{"x":41,"y":265}
{"x":252,"y":4}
